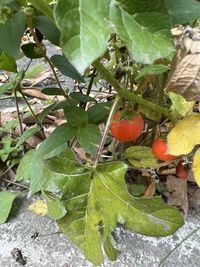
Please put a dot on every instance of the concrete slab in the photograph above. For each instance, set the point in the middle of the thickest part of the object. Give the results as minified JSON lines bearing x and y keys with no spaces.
{"x":55,"y":250}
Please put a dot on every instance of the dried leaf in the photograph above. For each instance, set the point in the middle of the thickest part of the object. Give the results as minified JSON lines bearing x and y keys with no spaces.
{"x":196,"y":167}
{"x":35,"y":92}
{"x":184,"y":76}
{"x":177,"y":193}
{"x":150,"y":191}
{"x":184,"y":136}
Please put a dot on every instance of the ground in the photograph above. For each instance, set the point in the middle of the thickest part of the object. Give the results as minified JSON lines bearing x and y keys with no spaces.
{"x":52,"y":249}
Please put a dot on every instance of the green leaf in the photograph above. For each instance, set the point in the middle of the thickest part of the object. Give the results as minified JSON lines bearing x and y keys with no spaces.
{"x":24,"y":169}
{"x":48,"y":29}
{"x":7,"y":63}
{"x":28,"y":133}
{"x":81,"y":98}
{"x":15,"y":80}
{"x":35,"y":71}
{"x":182,"y":11}
{"x":141,"y":157}
{"x":11,"y":33}
{"x":58,"y":174}
{"x":175,"y":11}
{"x":5,"y":87}
{"x":143,"y":30}
{"x":76,"y":116}
{"x":66,"y":68}
{"x":30,"y":51}
{"x":84,"y":30}
{"x":7,"y":149}
{"x":109,"y":249}
{"x":56,"y":208}
{"x":6,"y":201}
{"x":99,"y":112}
{"x":55,"y":106}
{"x":4,"y":2}
{"x":90,"y":221}
{"x":52,"y":91}
{"x":89,"y":138}
{"x":180,"y":105}
{"x":57,"y":141}
{"x":43,"y":7}
{"x":152,"y":70}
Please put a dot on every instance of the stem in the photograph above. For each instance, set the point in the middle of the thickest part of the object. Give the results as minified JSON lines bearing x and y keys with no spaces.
{"x":178,"y":245}
{"x":90,"y":86}
{"x":35,"y":117}
{"x":18,"y":112}
{"x":49,"y":62}
{"x":103,"y":139}
{"x":91,"y":82}
{"x":11,"y":182}
{"x":124,"y":93}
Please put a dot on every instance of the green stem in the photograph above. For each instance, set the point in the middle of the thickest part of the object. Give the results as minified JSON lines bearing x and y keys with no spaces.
{"x":124,"y":93}
{"x":43,"y":53}
{"x":35,"y":117}
{"x":103,"y":139}
{"x":18,"y":111}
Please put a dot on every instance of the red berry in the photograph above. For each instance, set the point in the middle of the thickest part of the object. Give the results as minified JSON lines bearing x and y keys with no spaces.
{"x":128,"y":129}
{"x":181,"y":170}
{"x":159,"y":148}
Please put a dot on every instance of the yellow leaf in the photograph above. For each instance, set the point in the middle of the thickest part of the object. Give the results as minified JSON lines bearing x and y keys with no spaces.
{"x":184,"y":136}
{"x":39,"y":207}
{"x":196,"y":167}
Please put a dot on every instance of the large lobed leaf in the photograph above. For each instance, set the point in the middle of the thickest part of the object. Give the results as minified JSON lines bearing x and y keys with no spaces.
{"x":88,"y":203}
{"x":143,"y":25}
{"x":90,"y":221}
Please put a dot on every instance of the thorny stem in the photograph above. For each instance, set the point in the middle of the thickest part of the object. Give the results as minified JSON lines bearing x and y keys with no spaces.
{"x":35,"y":117}
{"x":124,"y":93}
{"x":103,"y":139}
{"x":49,"y":62}
{"x":18,"y":112}
{"x":178,"y":245}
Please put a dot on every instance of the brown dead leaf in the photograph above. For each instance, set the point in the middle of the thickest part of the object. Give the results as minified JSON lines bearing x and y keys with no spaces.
{"x":6,"y":117}
{"x":150,"y":191}
{"x":185,"y":80}
{"x":194,"y":201}
{"x":34,"y":140}
{"x":80,"y":154}
{"x":177,"y":193}
{"x":35,"y":92}
{"x":43,"y":76}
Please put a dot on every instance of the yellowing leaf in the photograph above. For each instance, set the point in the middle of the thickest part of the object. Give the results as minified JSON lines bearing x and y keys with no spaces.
{"x":180,"y":105}
{"x":184,"y":136}
{"x":196,"y":167}
{"x":39,"y":207}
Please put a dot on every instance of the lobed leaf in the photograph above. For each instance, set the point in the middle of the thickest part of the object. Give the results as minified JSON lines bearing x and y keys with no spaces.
{"x":89,"y":222}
